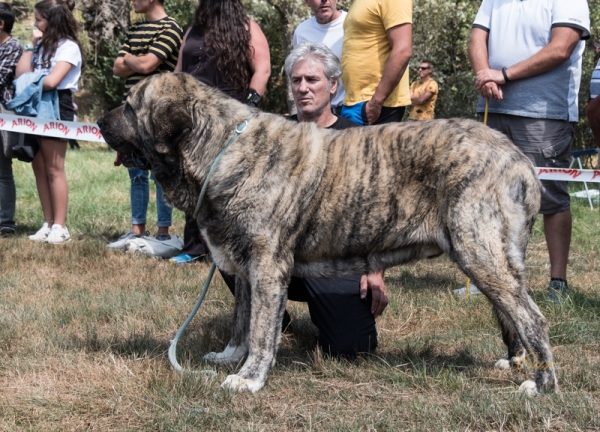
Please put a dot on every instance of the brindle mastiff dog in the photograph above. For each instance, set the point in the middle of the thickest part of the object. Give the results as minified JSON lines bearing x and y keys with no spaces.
{"x":291,"y":198}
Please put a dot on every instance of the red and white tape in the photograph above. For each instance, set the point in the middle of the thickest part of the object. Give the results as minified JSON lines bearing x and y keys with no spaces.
{"x":51,"y":128}
{"x":569,"y":174}
{"x":91,"y":132}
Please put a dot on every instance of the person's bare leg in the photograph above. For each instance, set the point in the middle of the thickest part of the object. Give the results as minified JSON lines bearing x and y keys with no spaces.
{"x":139,"y":229}
{"x":557,"y":228}
{"x":43,"y":187}
{"x":54,"y":153}
{"x":163,"y":230}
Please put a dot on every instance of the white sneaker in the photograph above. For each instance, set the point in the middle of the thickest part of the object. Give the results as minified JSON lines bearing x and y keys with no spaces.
{"x":58,"y":235}
{"x":42,"y":234}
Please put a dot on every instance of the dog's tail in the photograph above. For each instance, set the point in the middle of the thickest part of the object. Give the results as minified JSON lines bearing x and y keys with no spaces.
{"x":523,"y":195}
{"x":525,"y":190}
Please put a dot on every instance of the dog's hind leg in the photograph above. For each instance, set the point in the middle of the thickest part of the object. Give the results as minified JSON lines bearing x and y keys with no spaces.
{"x":237,"y":347}
{"x":269,"y":297}
{"x":490,"y":248}
{"x":532,"y":328}
{"x":519,"y":314}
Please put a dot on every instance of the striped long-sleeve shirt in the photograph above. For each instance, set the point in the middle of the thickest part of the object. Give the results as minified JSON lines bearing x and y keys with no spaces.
{"x":161,"y":38}
{"x":10,"y":53}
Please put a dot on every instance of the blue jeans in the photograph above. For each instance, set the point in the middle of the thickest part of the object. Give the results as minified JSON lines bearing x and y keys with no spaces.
{"x":140,"y":195}
{"x":8,"y":195}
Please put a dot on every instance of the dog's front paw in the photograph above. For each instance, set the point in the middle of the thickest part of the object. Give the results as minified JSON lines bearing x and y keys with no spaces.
{"x":231,"y":355}
{"x":529,"y":388}
{"x":503,"y":364}
{"x":237,"y":383}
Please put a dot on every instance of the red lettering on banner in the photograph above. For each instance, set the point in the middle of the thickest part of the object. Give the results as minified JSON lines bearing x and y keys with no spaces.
{"x":57,"y":126}
{"x":89,"y":130}
{"x":2,"y":122}
{"x":595,"y":174}
{"x":24,"y":122}
{"x":570,"y":172}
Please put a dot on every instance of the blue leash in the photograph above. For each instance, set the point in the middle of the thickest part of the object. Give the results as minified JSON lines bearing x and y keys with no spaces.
{"x":241,"y":127}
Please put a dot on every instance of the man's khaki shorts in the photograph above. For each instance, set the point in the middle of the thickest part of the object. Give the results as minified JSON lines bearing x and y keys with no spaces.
{"x":547,"y":143}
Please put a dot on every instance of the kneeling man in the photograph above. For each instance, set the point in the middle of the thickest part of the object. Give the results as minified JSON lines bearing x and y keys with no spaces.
{"x":343,"y":309}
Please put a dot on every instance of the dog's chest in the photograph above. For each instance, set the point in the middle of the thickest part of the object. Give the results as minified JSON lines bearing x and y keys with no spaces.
{"x":219,"y":257}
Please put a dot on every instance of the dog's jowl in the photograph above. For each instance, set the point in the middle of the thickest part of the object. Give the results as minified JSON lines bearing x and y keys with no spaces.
{"x":294,"y":199}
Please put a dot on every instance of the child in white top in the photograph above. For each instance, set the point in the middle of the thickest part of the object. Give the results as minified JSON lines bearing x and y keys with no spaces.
{"x":54,"y":50}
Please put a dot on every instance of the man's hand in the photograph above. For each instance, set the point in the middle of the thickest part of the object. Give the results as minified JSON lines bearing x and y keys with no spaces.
{"x":491,"y":90}
{"x":374,"y":282}
{"x":485,"y":76}
{"x":372,"y":111}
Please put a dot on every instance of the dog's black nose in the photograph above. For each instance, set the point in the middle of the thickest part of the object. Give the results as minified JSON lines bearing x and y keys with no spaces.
{"x":100,"y":121}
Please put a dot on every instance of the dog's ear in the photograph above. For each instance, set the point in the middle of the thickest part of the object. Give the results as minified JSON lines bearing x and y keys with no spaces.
{"x":171,"y":120}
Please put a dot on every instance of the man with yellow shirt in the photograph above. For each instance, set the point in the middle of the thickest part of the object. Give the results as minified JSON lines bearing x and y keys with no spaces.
{"x":423,"y":94}
{"x":375,"y":54}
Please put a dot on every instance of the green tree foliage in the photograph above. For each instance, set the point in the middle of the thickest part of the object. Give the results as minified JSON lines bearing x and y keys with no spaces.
{"x":441,"y":30}
{"x":105,"y":24}
{"x":98,"y":75}
{"x":182,"y":11}
{"x":22,"y":8}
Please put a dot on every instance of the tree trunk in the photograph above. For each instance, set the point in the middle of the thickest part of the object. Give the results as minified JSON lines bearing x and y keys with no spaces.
{"x":292,"y":13}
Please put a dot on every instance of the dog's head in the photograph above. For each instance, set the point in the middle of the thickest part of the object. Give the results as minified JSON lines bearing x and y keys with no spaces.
{"x":155,"y":118}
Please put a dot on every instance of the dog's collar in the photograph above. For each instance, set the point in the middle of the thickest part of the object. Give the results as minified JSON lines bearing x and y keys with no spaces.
{"x":241,"y":127}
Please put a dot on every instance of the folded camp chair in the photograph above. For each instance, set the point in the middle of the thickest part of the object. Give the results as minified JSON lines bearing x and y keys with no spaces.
{"x":576,"y":156}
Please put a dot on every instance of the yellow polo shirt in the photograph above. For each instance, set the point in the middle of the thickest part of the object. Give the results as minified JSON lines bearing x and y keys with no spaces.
{"x":425,"y":110}
{"x":366,"y":49}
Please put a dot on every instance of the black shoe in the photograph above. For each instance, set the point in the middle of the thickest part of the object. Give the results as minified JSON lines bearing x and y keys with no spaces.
{"x":162,"y":237}
{"x":6,"y":232}
{"x":557,"y":291}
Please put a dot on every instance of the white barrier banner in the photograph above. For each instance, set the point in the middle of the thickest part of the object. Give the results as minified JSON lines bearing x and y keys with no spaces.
{"x":568,"y":174}
{"x":51,"y":128}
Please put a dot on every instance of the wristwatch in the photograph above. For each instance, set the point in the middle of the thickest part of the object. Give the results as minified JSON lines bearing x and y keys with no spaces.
{"x":28,"y":47}
{"x":253,"y":98}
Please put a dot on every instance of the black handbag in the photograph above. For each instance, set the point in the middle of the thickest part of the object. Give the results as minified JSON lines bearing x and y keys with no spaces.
{"x":17,"y":145}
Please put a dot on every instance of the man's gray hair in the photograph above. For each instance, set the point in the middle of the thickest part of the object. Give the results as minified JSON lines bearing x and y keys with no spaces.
{"x":315,"y":51}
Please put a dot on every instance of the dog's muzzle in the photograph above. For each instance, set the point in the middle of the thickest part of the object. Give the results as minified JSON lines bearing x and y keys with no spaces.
{"x":129,"y":160}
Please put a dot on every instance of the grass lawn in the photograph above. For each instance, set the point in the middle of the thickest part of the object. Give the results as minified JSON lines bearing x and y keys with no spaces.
{"x":84,"y":333}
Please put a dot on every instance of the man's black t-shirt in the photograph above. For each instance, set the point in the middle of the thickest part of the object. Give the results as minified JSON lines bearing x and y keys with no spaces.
{"x":340,"y":124}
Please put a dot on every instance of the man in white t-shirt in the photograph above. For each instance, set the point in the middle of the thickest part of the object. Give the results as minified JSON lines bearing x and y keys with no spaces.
{"x":326,"y":26}
{"x":527,"y":59}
